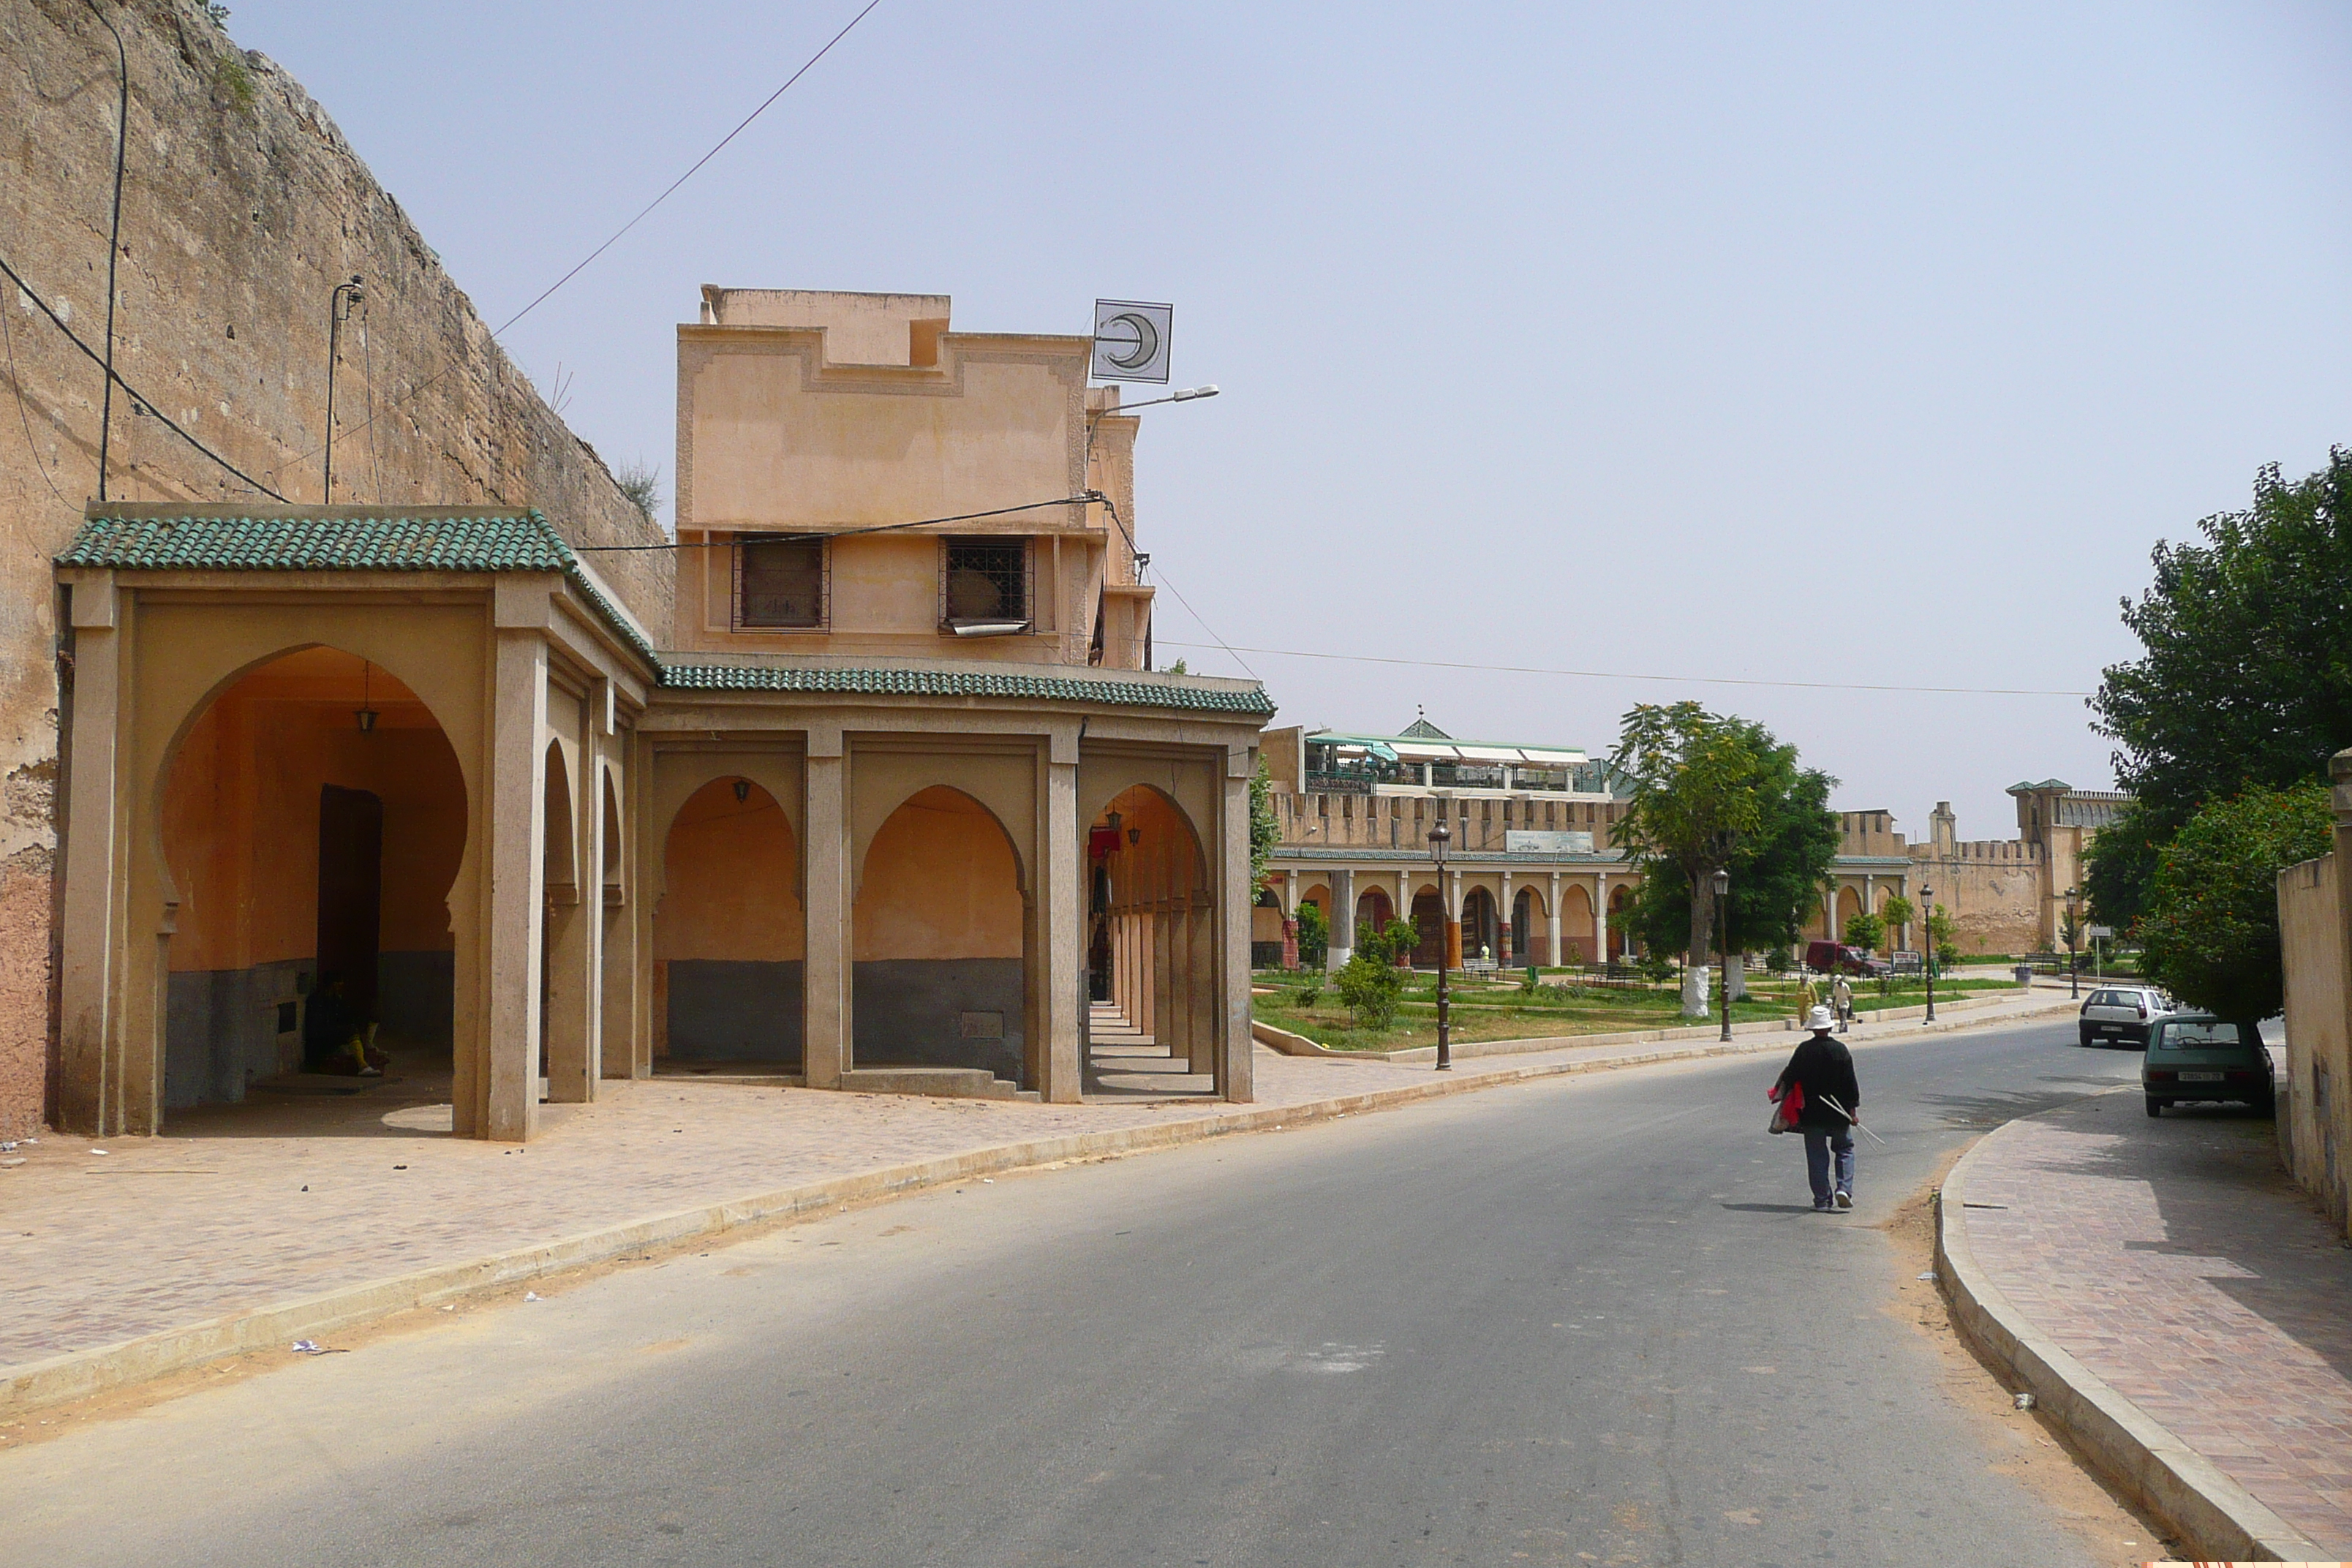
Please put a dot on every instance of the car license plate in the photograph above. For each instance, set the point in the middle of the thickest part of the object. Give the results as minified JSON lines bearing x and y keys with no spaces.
{"x":2201,"y":1077}
{"x":2107,"y":1028}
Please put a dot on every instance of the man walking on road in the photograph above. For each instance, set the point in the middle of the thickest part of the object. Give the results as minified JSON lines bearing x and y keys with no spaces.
{"x":1821,"y":1070}
{"x":1842,"y":996}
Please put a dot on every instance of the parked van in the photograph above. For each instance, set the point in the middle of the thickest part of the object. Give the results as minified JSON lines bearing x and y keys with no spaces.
{"x":1836,"y":958}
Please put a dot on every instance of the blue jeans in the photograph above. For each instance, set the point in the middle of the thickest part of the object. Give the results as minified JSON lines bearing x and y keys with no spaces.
{"x":1818,"y":1145}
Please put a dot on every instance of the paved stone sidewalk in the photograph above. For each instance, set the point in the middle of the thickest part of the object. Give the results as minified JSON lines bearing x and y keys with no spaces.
{"x":244,"y":1206}
{"x":2175,"y":1259}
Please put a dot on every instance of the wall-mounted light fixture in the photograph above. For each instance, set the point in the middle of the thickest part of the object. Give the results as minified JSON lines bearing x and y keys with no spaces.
{"x":742,"y":791}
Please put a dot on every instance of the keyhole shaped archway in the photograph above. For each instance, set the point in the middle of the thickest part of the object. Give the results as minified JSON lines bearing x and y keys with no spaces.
{"x":1158,"y":920}
{"x":1480,"y":932}
{"x":938,"y":938}
{"x":1530,"y":929}
{"x":313,"y":817}
{"x":729,"y":933}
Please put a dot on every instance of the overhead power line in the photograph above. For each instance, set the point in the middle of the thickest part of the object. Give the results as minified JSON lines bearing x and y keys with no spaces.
{"x":138,"y":398}
{"x":545,"y":294}
{"x":729,"y":543}
{"x":1623,"y":675}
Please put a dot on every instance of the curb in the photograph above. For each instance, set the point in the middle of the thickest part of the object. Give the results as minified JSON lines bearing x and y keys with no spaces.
{"x":77,"y":1374}
{"x":2217,"y":1517}
{"x":1412,"y":1055}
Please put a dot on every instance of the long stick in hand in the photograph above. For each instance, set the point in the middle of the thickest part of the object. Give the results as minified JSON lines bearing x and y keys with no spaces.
{"x":1831,"y":1100}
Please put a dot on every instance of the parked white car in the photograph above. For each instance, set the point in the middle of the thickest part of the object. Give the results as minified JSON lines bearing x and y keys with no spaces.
{"x":2122,"y":1015}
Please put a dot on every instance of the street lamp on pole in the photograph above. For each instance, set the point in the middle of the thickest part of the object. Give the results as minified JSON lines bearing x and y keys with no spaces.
{"x":1722,"y":940}
{"x":1439,"y":837}
{"x":1928,"y":927}
{"x":2074,"y":971}
{"x":339,"y":306}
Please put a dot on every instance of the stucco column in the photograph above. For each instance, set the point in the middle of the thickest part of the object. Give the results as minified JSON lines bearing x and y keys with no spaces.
{"x":90,"y":1052}
{"x":1203,"y":999}
{"x":1559,"y":953}
{"x":824,"y":999}
{"x":1829,"y":912}
{"x":1453,"y":920}
{"x":1062,"y":898}
{"x":1505,"y":946}
{"x":1869,"y":893}
{"x":517,"y":880}
{"x":1600,"y":916}
{"x":637,"y":904}
{"x":1290,"y":888}
{"x":1229,"y":874}
{"x":576,"y":919}
{"x":1343,"y":919}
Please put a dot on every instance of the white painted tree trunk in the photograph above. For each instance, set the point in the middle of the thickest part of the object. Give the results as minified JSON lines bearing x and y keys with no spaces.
{"x":1738,"y":984}
{"x":1695,"y":974}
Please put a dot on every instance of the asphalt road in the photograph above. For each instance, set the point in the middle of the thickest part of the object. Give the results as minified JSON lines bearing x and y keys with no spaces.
{"x":1587,"y":1320}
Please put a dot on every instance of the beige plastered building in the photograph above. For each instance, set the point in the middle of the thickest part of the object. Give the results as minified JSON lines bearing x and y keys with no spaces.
{"x":879,"y":802}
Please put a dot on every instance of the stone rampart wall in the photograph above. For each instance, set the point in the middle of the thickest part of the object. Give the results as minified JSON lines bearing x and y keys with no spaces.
{"x":242,"y":207}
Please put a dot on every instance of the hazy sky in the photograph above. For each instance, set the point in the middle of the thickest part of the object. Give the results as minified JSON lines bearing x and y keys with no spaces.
{"x":1861,"y":343}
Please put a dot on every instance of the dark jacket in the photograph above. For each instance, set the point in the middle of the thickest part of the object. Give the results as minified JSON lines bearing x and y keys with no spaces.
{"x":1823,"y":1068}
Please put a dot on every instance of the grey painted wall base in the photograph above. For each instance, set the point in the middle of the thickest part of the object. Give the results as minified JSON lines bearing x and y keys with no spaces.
{"x":735,"y":1010}
{"x":416,"y":995}
{"x":911,"y":1011}
{"x":220,"y":1032}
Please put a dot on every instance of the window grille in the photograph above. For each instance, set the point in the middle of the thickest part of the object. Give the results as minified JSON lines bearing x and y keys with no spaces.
{"x":983,"y":580}
{"x":779,"y":584}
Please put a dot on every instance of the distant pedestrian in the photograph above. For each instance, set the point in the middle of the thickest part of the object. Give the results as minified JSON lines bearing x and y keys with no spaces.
{"x":1821,"y":1071}
{"x":1841,"y":995}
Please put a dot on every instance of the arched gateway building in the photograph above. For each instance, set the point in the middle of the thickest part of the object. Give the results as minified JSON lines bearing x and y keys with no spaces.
{"x":861,"y":807}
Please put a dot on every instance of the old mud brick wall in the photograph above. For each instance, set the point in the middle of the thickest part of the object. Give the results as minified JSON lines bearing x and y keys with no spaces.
{"x":242,"y":207}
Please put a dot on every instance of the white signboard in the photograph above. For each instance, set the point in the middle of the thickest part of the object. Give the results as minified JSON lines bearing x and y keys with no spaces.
{"x":2100,"y":933}
{"x":1131,"y":340}
{"x":1543,"y":841}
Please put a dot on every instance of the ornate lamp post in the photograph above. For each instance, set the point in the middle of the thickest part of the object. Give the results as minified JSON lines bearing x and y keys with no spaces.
{"x":1723,"y":942}
{"x":1927,"y":930}
{"x":1439,"y":837}
{"x":2074,"y":971}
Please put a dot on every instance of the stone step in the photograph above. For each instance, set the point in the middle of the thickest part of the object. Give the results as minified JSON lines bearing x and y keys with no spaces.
{"x":949,"y":1083}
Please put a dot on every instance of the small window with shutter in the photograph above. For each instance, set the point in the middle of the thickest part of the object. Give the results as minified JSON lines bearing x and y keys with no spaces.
{"x":779,"y":584}
{"x":983,"y":584}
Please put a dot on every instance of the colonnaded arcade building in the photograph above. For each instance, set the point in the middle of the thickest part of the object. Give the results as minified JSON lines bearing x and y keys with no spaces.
{"x":1531,"y":875}
{"x":880,"y":801}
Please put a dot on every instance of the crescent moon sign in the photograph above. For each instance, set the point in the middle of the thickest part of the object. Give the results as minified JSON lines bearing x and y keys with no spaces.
{"x":1147,"y":342}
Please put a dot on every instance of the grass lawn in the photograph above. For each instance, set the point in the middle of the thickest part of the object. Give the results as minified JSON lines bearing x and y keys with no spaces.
{"x":1485,"y":1011}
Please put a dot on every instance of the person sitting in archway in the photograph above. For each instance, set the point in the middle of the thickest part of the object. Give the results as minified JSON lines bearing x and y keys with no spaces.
{"x":337,"y":1036}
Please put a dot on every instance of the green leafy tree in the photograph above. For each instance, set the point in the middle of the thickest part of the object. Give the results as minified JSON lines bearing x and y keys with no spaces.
{"x":1865,"y":931}
{"x":1314,"y":937}
{"x":1898,"y":913}
{"x":2246,"y":676}
{"x":1387,"y":944}
{"x":1941,"y":940}
{"x":1265,"y":828}
{"x":2121,"y":864}
{"x":1776,"y":865}
{"x":2210,"y":933}
{"x":1371,"y":984}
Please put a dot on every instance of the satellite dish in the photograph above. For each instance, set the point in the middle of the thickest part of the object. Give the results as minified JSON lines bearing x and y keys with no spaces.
{"x":1131,"y":340}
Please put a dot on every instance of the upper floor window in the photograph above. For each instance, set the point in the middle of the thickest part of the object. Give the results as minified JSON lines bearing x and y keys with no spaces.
{"x":779,"y":584}
{"x":984,"y":585}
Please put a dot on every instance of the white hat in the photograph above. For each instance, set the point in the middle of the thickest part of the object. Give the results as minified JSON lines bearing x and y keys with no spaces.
{"x":1821,"y":1018}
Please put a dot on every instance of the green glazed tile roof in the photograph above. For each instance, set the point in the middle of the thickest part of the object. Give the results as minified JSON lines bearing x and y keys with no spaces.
{"x":961,"y":683}
{"x":517,"y":541}
{"x":525,"y":540}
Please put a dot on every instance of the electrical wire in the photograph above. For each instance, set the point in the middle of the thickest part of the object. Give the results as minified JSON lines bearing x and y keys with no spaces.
{"x":139,"y":399}
{"x":729,"y":543}
{"x":16,"y":385}
{"x":643,"y":213}
{"x":114,"y":242}
{"x":1620,"y":675}
{"x":1112,"y":507}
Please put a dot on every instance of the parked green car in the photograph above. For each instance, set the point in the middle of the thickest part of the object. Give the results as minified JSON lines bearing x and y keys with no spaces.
{"x":2195,"y":1056}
